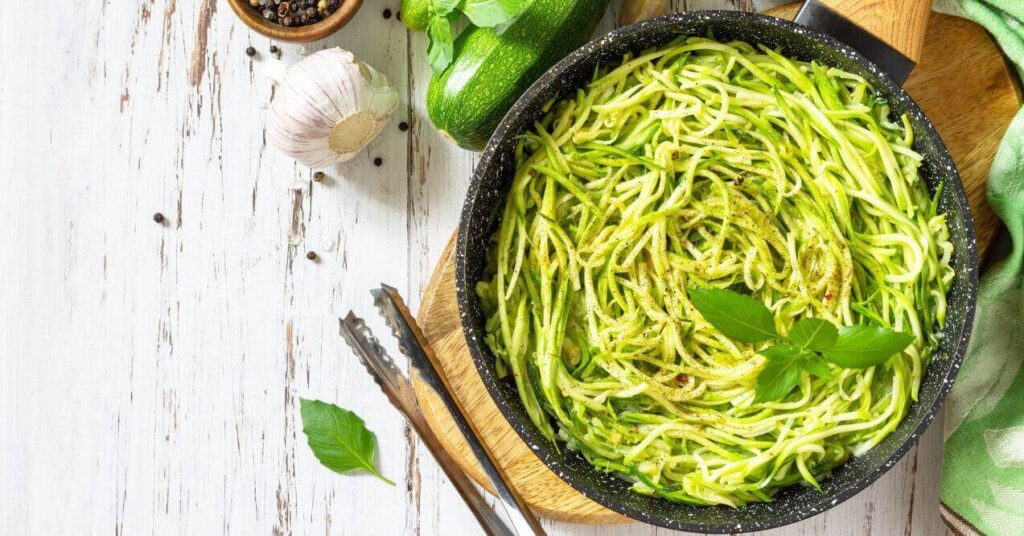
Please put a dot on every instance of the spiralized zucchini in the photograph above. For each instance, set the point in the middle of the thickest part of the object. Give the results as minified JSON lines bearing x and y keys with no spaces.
{"x":708,"y":164}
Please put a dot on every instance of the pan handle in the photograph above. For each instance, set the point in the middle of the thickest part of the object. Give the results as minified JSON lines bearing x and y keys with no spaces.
{"x":888,"y":32}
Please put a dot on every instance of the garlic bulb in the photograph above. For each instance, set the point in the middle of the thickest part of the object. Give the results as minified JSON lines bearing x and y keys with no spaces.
{"x":328,"y":107}
{"x":638,"y":10}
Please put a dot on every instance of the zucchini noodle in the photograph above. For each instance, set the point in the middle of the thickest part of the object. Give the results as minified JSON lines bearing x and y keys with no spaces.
{"x":708,"y":164}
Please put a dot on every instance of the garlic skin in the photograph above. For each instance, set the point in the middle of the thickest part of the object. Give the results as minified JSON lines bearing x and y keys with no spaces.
{"x":638,"y":10}
{"x":327,"y":107}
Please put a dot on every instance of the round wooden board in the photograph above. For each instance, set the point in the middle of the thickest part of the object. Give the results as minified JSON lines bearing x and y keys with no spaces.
{"x":968,"y":91}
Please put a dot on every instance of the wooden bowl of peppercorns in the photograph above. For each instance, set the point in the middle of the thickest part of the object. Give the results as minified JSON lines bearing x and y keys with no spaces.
{"x":295,"y":21}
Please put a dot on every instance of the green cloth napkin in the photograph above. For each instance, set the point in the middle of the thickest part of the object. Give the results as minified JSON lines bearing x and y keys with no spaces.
{"x":983,"y":465}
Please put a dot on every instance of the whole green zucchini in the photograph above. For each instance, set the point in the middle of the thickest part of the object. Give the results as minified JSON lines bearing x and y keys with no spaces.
{"x":416,"y":14}
{"x":468,"y":100}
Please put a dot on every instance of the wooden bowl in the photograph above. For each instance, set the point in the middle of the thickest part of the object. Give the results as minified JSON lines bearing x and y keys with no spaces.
{"x":295,"y":34}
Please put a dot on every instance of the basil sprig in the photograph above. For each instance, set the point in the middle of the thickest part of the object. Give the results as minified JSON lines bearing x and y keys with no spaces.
{"x":810,"y":343}
{"x":481,"y":13}
{"x":339,"y":438}
{"x":736,"y":315}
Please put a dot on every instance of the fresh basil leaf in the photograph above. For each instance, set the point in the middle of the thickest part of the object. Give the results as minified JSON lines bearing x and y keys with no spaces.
{"x":781,"y":373}
{"x":441,"y":49}
{"x":491,"y":13}
{"x":444,"y":7}
{"x":863,"y":346}
{"x":339,"y":438}
{"x":816,"y":366}
{"x":780,"y":351}
{"x":736,"y":315}
{"x":813,"y":334}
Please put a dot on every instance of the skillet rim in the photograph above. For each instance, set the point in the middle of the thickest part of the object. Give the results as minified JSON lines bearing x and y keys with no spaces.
{"x":466,"y":298}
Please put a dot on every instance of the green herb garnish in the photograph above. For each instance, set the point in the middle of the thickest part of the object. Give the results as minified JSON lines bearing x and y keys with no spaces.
{"x":481,"y":13}
{"x":339,"y":438}
{"x":736,"y":315}
{"x":441,"y":48}
{"x":864,"y":346}
{"x":745,"y":319}
{"x":491,"y":13}
{"x":813,"y":334}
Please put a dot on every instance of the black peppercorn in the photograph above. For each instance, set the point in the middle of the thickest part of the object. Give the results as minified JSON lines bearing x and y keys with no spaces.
{"x":311,"y":255}
{"x":378,"y":161}
{"x":318,"y":176}
{"x":387,"y":13}
{"x":274,"y":49}
{"x":403,"y":126}
{"x":295,"y":12}
{"x":158,"y":217}
{"x":250,"y":51}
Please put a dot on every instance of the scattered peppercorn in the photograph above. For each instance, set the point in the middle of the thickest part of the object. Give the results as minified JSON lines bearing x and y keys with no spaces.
{"x":387,"y":13}
{"x":318,"y":176}
{"x":250,"y":51}
{"x":295,"y":12}
{"x":739,"y":181}
{"x":398,"y":15}
{"x":158,"y":217}
{"x":378,"y":161}
{"x":274,"y":49}
{"x":403,"y":126}
{"x":311,"y":255}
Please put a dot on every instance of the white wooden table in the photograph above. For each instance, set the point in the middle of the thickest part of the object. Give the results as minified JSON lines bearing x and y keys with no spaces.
{"x":150,"y":374}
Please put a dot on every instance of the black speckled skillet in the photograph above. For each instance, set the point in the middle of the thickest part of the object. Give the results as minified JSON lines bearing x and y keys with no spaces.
{"x":848,"y":47}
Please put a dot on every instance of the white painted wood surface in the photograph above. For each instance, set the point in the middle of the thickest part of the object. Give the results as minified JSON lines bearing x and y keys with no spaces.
{"x":150,"y":374}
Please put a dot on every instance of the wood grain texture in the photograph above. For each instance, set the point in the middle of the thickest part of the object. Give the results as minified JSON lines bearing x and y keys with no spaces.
{"x":150,"y":374}
{"x":901,"y":23}
{"x":972,"y":138}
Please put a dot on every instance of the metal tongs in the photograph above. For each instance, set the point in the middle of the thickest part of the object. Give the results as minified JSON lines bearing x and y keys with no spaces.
{"x":399,"y":390}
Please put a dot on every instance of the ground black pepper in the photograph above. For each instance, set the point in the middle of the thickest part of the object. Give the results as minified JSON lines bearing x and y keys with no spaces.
{"x":403,"y":126}
{"x":378,"y":161}
{"x":158,"y":217}
{"x":295,"y":12}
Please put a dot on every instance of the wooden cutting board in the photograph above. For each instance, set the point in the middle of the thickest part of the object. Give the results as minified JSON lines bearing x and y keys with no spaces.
{"x":963,"y":84}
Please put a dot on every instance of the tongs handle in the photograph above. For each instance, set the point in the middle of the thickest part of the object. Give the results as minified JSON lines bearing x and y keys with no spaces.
{"x":415,"y":346}
{"x":399,"y":391}
{"x":489,"y":520}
